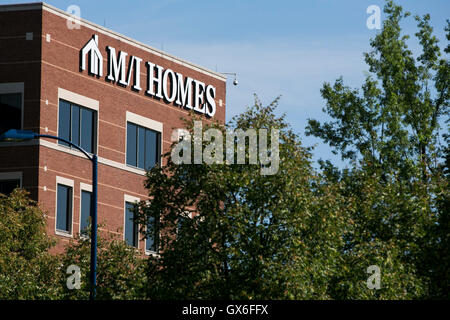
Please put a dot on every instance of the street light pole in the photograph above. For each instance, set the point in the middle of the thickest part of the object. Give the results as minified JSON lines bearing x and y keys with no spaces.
{"x":18,"y":135}
{"x":93,"y":275}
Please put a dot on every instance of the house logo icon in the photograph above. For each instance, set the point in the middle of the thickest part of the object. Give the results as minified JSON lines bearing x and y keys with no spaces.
{"x":95,"y":57}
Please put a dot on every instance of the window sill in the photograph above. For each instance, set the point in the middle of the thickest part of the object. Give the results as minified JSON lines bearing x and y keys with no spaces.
{"x":84,"y":237}
{"x":63,"y":234}
{"x":152,"y":253}
{"x":69,"y":147}
{"x":135,"y":168}
{"x":140,"y":169}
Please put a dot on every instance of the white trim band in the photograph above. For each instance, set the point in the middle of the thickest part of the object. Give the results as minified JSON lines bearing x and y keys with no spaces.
{"x":130,"y":199}
{"x":78,"y":99}
{"x":144,"y":122}
{"x":65,"y":181}
{"x":85,"y":187}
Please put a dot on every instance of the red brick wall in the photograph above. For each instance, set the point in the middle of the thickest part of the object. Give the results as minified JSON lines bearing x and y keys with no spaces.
{"x":46,"y":66}
{"x":20,"y":62}
{"x":60,"y":69}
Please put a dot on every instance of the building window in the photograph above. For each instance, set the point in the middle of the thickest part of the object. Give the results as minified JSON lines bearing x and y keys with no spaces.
{"x":143,"y":146}
{"x":85,"y":214}
{"x":78,"y":125}
{"x":11,"y":111}
{"x":151,"y":238}
{"x":9,"y":181}
{"x":7,"y":186}
{"x":64,"y":209}
{"x":131,"y":227}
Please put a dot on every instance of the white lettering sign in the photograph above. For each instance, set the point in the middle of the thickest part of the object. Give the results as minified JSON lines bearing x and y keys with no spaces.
{"x":162,"y":83}
{"x":95,"y":57}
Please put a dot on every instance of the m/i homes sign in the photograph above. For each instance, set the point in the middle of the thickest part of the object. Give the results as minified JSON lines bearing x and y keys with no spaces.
{"x":183,"y":91}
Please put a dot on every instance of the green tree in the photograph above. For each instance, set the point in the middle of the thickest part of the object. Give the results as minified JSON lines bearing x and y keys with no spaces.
{"x":229,"y":232}
{"x":436,"y":252}
{"x":119,"y":269}
{"x":390,"y":130}
{"x":394,"y":121}
{"x":27,"y":270}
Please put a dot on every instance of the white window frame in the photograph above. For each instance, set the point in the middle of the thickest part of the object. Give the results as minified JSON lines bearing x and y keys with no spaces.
{"x":84,"y":102}
{"x":146,"y":123}
{"x":88,"y":188}
{"x":68,"y":183}
{"x":15,"y":87}
{"x":130,"y":199}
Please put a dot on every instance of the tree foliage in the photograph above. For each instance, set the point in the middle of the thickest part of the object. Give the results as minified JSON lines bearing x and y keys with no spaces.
{"x":244,"y":235}
{"x":301,"y":234}
{"x":27,"y":270}
{"x":119,"y":269}
{"x":391,"y":130}
{"x":393,"y":121}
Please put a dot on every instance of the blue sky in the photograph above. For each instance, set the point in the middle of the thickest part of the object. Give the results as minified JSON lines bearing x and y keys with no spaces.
{"x":286,"y":48}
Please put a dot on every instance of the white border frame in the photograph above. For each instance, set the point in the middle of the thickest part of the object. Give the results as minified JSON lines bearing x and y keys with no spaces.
{"x":68,"y":183}
{"x":130,"y":199}
{"x":146,"y":123}
{"x":82,"y":101}
{"x":88,"y":188}
{"x":15,"y":87}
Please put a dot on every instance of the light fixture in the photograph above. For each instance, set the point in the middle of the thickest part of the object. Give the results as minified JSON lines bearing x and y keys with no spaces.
{"x":235,"y":81}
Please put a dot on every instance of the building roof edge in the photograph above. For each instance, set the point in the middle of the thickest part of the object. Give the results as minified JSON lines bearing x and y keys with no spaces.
{"x":111,"y":33}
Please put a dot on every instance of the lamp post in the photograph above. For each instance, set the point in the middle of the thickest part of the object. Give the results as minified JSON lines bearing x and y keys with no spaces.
{"x":20,"y":135}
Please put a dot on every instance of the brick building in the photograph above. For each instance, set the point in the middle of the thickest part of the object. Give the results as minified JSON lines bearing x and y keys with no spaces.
{"x":111,"y":95}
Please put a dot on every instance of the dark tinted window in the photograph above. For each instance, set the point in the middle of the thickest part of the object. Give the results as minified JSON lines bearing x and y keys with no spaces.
{"x":152,"y":150}
{"x":64,"y":121}
{"x":87,"y":129}
{"x":77,"y":124}
{"x":151,"y":239}
{"x":131,"y":228}
{"x":64,"y":208}
{"x":11,"y":111}
{"x":143,"y":147}
{"x":131,"y":144}
{"x":86,"y":205}
{"x":7,"y":186}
